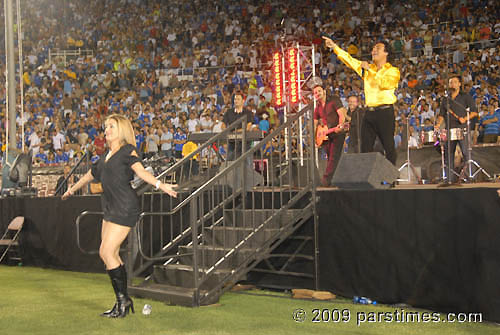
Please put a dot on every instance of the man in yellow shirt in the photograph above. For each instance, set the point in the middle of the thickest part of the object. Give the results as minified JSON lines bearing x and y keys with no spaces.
{"x":192,"y":166}
{"x":380,"y":81}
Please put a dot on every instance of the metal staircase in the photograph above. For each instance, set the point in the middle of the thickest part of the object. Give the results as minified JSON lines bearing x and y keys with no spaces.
{"x":194,"y":248}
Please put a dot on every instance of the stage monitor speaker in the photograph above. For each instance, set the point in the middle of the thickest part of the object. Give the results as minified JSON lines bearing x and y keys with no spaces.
{"x":364,"y":171}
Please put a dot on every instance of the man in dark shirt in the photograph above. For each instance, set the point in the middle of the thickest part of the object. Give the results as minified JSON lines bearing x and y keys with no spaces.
{"x":231,"y":115}
{"x":355,"y":115}
{"x":458,"y":104}
{"x":72,"y":137}
{"x":72,"y":180}
{"x":330,"y":112}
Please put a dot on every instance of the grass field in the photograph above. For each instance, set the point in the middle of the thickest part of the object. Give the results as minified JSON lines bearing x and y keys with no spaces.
{"x":41,"y":301}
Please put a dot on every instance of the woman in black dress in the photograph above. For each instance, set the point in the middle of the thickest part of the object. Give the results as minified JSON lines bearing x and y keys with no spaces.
{"x":119,"y":202}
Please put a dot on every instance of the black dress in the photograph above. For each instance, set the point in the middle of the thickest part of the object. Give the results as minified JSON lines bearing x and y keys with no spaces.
{"x":119,"y":201}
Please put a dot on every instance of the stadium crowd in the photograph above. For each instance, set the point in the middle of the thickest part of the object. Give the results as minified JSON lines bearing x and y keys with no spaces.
{"x":172,"y":66}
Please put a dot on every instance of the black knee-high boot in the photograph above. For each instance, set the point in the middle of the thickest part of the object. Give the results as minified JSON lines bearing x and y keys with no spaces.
{"x":123,"y":302}
{"x":114,"y":309}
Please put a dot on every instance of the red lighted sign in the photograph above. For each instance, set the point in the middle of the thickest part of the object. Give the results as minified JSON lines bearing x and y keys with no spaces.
{"x":278,"y":82}
{"x":293,"y":75}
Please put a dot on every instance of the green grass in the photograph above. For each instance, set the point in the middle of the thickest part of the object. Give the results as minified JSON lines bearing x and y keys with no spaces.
{"x":42,"y":301}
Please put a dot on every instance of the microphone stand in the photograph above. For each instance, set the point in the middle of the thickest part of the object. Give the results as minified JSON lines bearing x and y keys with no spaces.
{"x":470,"y":161}
{"x":408,"y":164}
{"x":447,"y":181}
{"x":359,"y":128}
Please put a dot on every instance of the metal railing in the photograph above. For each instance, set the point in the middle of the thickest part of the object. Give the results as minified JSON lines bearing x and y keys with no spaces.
{"x":169,"y":228}
{"x":71,"y":53}
{"x":220,"y":222}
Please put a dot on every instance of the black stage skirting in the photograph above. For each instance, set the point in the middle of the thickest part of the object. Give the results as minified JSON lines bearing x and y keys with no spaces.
{"x":438,"y":249}
{"x":430,"y":248}
{"x":48,"y":238}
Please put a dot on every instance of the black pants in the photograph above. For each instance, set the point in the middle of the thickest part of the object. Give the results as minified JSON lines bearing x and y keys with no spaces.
{"x":379,"y":122}
{"x":354,"y":140}
{"x":453,"y":147}
{"x":235,"y":149}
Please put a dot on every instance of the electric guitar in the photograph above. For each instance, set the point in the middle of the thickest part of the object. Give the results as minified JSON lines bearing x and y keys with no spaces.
{"x":323,"y":131}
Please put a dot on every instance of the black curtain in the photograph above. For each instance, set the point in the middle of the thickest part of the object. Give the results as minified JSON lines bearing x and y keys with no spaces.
{"x":438,"y":249}
{"x":48,"y":238}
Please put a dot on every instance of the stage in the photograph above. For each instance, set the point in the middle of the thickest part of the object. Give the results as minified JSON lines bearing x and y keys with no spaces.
{"x":421,"y":245}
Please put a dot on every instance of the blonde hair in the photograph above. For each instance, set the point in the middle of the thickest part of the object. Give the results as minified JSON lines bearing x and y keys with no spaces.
{"x":125,"y":129}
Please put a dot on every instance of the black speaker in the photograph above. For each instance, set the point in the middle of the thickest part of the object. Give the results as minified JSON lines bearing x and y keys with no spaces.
{"x":364,"y":171}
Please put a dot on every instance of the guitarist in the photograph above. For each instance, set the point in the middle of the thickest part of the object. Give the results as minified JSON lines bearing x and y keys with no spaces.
{"x":457,"y":104}
{"x":329,"y":112}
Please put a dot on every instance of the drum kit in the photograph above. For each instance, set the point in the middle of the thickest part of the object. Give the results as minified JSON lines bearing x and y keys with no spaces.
{"x":436,"y":137}
{"x":440,"y":137}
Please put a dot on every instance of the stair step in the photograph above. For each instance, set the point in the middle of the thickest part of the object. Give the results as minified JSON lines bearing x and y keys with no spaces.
{"x":174,"y":295}
{"x":182,"y":275}
{"x":208,"y":256}
{"x":251,"y":218}
{"x":270,"y":200}
{"x":228,"y":237}
{"x":174,"y":283}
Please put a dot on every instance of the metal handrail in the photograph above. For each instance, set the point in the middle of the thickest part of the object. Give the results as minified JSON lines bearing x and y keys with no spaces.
{"x":215,"y":178}
{"x":243,"y":157}
{"x":212,"y":216}
{"x":198,"y":151}
{"x":77,"y":224}
{"x":83,"y":214}
{"x":141,"y":252}
{"x":218,"y":136}
{"x":180,"y":236}
{"x":85,"y":155}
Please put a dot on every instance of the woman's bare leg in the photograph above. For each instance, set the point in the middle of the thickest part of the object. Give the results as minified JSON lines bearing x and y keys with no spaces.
{"x":112,"y":236}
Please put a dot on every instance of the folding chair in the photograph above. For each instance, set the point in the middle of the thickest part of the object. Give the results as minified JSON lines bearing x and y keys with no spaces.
{"x":10,"y":240}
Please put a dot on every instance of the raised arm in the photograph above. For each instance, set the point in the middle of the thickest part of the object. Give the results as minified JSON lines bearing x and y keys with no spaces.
{"x":344,"y":56}
{"x":142,"y":173}
{"x":87,"y":178}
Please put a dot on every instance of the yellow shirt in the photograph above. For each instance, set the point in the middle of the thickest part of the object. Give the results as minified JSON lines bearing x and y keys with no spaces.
{"x":188,"y":148}
{"x":26,"y":78}
{"x":379,"y":85}
{"x":70,"y":74}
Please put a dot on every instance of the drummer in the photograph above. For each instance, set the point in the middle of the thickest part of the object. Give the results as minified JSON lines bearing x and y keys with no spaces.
{"x":458,"y":104}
